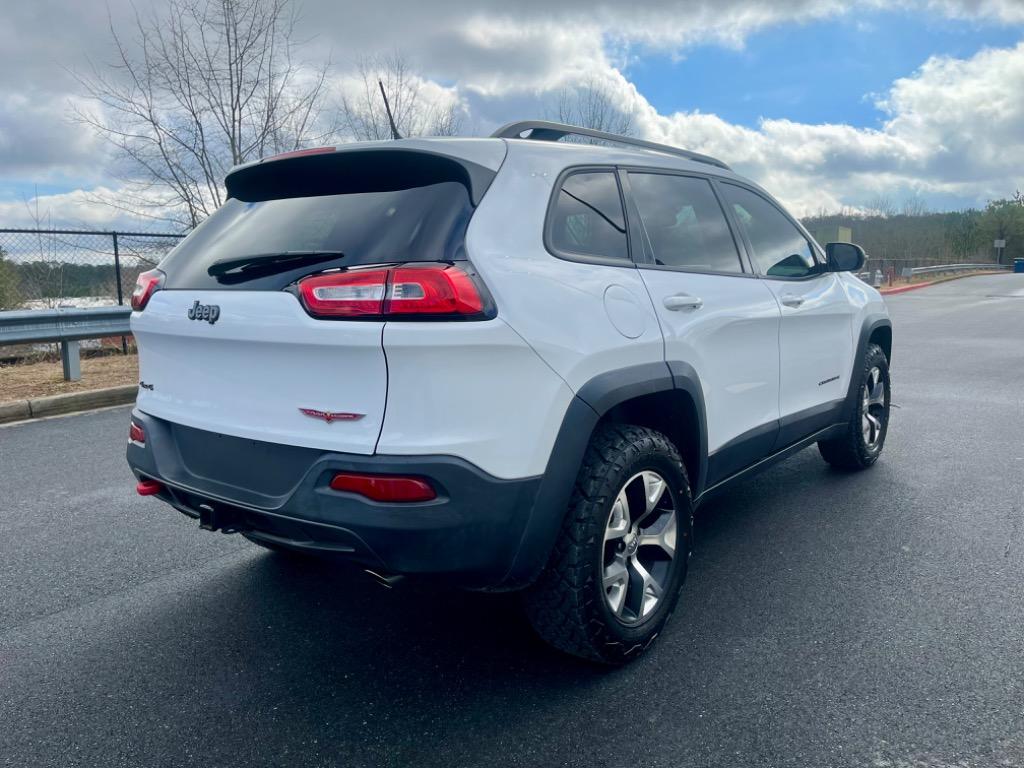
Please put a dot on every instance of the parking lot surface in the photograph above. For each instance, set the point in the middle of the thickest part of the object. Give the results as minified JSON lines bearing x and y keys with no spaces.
{"x":830,"y":619}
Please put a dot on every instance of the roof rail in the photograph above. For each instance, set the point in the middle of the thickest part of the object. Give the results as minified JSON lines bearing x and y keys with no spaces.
{"x":544,"y":130}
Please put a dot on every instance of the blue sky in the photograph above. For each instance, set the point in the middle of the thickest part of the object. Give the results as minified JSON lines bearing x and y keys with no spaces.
{"x":812,"y":72}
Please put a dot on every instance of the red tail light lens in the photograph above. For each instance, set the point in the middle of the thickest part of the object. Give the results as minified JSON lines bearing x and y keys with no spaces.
{"x":427,"y":290}
{"x":432,"y":290}
{"x":136,"y":433}
{"x":394,"y":488}
{"x":147,"y":284}
{"x":345,"y":294}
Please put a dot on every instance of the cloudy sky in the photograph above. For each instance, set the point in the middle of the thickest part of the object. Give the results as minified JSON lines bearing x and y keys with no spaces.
{"x":827,"y":103}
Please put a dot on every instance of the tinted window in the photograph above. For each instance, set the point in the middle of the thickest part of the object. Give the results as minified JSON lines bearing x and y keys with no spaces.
{"x":588,"y":219}
{"x":779,"y":248}
{"x":420,"y":223}
{"x":683,"y":222}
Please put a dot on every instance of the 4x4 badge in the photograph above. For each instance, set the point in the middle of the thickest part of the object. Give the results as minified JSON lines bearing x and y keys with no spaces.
{"x":330,"y":416}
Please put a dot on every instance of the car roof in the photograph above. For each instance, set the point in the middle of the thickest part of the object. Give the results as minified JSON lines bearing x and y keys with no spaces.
{"x":550,"y":157}
{"x":563,"y":154}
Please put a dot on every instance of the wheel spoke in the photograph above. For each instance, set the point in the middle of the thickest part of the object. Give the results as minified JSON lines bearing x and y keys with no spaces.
{"x":875,"y":427}
{"x":651,"y":588}
{"x":616,"y":585}
{"x":665,"y":539}
{"x":874,"y":391}
{"x":618,"y":520}
{"x":654,"y":489}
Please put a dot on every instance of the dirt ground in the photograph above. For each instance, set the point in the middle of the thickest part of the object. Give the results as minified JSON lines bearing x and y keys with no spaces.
{"x":25,"y":380}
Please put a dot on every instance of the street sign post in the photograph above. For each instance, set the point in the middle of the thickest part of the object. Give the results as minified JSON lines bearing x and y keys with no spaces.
{"x":999,"y":246}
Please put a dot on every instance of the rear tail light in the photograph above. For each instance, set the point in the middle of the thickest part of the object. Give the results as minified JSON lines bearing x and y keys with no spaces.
{"x":410,"y":291}
{"x":147,"y":284}
{"x":136,"y":433}
{"x":345,"y":294}
{"x":394,"y":488}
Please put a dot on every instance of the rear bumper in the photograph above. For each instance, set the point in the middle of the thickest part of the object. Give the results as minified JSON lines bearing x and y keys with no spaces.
{"x":477,"y":531}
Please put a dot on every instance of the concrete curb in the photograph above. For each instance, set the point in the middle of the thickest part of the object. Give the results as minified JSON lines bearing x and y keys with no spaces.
{"x":915,"y":286}
{"x":54,"y":405}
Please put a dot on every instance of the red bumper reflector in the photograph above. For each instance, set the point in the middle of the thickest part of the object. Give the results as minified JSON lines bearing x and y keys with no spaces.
{"x":148,"y":487}
{"x":136,"y":433}
{"x":384,"y":487}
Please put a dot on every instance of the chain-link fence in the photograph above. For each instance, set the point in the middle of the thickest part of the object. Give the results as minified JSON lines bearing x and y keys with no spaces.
{"x":43,"y":269}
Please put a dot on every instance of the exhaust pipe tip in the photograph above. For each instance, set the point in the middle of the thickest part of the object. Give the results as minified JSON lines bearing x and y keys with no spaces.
{"x":388,"y":581}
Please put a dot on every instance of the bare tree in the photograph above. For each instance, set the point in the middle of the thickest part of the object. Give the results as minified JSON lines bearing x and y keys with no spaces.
{"x":592,"y":105}
{"x":204,"y":86}
{"x":915,"y":205}
{"x":363,"y":115}
{"x":10,"y":293}
{"x":882,"y":205}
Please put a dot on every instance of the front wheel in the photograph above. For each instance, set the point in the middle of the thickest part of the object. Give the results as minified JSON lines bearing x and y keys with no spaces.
{"x":615,"y":574}
{"x":864,"y":438}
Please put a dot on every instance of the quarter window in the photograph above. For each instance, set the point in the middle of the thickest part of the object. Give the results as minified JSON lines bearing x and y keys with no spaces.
{"x":780,"y":250}
{"x":684,"y":225}
{"x":587,"y":219}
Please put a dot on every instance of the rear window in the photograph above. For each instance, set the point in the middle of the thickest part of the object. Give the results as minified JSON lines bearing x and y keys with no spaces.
{"x":283,"y":223}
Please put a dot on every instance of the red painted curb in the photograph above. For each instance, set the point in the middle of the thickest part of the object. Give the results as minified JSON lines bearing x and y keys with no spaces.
{"x":905,"y":288}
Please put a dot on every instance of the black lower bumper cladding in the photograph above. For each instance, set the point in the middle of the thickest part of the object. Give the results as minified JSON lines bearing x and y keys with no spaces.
{"x":472,"y":532}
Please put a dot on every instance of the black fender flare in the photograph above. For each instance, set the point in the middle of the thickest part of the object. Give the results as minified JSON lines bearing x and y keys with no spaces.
{"x":592,"y":401}
{"x":870,"y":324}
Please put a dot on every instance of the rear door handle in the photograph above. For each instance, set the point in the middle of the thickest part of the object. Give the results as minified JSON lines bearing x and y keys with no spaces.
{"x":792,"y":301}
{"x":682,"y":301}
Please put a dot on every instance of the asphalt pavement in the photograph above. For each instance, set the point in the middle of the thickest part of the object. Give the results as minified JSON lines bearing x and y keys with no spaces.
{"x":830,"y":619}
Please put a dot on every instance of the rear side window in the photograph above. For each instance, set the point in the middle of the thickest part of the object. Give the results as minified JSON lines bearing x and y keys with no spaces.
{"x":684,"y":226}
{"x":288,"y":219}
{"x":780,"y":250}
{"x":587,"y":218}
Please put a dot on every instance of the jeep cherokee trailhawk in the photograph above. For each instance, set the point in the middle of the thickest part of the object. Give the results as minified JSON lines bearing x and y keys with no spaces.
{"x":515,"y":362}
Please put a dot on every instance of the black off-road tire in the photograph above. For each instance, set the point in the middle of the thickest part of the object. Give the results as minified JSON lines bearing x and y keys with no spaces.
{"x":853,"y":450}
{"x":567,"y":606}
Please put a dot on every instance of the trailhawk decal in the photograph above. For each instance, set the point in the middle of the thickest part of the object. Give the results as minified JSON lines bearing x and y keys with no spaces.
{"x":330,"y":416}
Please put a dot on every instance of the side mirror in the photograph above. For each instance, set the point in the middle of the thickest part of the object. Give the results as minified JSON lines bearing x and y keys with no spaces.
{"x":845,"y":257}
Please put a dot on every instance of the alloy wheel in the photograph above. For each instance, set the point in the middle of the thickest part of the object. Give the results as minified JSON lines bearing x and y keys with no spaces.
{"x":873,"y":411}
{"x":639,"y":547}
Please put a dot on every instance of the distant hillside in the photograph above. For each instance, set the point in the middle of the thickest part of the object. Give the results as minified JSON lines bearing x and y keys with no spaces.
{"x":918,"y":239}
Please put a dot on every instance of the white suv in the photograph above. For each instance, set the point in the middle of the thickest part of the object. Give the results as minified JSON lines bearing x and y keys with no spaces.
{"x":515,"y":362}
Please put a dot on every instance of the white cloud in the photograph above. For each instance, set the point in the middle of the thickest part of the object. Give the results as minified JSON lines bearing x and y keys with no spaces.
{"x":954,"y":128}
{"x":95,"y":208}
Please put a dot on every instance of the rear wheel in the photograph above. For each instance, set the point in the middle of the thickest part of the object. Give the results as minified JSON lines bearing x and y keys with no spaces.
{"x":614,"y":576}
{"x":862,"y":443}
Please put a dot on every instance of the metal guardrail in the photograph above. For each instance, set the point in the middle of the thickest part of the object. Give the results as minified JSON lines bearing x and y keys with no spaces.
{"x":876,"y":277}
{"x":949,"y":268}
{"x":68,"y":326}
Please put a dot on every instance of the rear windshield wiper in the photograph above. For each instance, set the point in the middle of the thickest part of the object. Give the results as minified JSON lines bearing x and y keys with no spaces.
{"x":265,"y":264}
